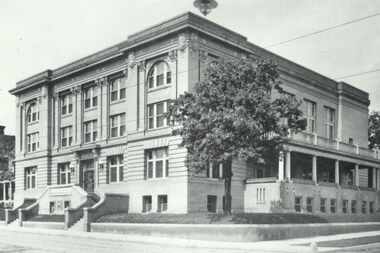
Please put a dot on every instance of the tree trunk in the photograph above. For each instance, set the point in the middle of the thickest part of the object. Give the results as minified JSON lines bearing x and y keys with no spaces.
{"x":227,"y":187}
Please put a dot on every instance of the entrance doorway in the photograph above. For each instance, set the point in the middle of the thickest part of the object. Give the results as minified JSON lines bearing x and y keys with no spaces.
{"x":87,"y":175}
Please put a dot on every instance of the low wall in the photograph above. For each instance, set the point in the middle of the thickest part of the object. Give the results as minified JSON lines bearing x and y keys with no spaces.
{"x":109,"y":204}
{"x":234,"y":233}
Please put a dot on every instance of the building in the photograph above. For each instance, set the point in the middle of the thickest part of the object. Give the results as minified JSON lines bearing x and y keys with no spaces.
{"x":97,"y":125}
{"x":7,"y":156}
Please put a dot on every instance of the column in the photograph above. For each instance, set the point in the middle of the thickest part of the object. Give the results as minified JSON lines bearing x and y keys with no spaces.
{"x":378,"y":178}
{"x":288,"y":165}
{"x":281,"y":166}
{"x":75,"y":114}
{"x":314,"y":168}
{"x":105,"y":108}
{"x":99,"y":86}
{"x":337,"y":171}
{"x":374,"y":181}
{"x":24,"y":127}
{"x":4,"y":191}
{"x":356,"y":174}
{"x":56,"y":120}
{"x":79,"y":113}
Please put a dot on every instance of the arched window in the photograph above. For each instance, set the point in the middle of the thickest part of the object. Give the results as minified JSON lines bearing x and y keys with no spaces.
{"x":159,"y":75}
{"x":32,"y":114}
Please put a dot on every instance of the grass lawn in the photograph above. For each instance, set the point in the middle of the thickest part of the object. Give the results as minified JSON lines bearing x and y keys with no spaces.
{"x":204,"y":218}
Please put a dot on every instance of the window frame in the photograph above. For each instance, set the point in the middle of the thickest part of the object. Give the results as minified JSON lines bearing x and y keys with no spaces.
{"x":162,"y":206}
{"x":322,"y":205}
{"x":309,"y":204}
{"x":145,"y":204}
{"x":120,"y":125}
{"x":330,"y":122}
{"x":90,"y":97}
{"x":298,"y":204}
{"x":66,"y":104}
{"x":67,"y":135}
{"x":311,"y":118}
{"x":345,"y":206}
{"x":30,"y":178}
{"x":117,"y":89}
{"x":118,"y":166}
{"x":154,"y":76}
{"x":64,"y":172}
{"x":354,"y":206}
{"x":152,"y":159}
{"x":212,"y":168}
{"x":33,"y":142}
{"x":92,"y":126}
{"x":332,"y":205}
{"x":33,"y":114}
{"x":153,"y":117}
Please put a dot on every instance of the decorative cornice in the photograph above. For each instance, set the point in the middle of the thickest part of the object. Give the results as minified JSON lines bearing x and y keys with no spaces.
{"x":131,"y":60}
{"x":172,"y":55}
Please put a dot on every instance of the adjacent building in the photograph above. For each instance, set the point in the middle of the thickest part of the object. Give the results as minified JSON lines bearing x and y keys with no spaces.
{"x":7,"y":157}
{"x":97,"y":125}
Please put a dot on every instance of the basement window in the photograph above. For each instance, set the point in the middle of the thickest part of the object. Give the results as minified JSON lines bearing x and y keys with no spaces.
{"x":297,"y":204}
{"x":353,"y":206}
{"x":309,"y":205}
{"x":332,"y":205}
{"x":323,"y":205}
{"x":211,"y":203}
{"x":345,"y":206}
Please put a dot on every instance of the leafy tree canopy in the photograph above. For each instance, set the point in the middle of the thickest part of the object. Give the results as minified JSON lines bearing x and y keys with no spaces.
{"x":374,"y":130}
{"x":238,"y":111}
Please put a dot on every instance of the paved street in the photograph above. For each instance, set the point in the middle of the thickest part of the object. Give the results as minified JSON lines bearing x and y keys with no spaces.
{"x":24,"y":240}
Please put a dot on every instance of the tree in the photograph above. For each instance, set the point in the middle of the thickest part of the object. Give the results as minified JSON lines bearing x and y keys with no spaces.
{"x":235,"y":114}
{"x":374,"y":130}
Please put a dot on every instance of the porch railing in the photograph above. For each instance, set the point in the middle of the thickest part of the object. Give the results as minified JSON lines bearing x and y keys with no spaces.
{"x":314,"y":139}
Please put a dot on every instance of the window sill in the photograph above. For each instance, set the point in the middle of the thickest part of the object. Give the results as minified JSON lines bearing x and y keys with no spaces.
{"x":33,"y":123}
{"x":165,"y":86}
{"x":66,"y":115}
{"x":90,"y":109}
{"x":156,"y":179}
{"x":119,"y":101}
{"x":158,"y":128}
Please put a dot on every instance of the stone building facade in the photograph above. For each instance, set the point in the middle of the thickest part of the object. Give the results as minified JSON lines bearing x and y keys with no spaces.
{"x":96,"y":125}
{"x":7,"y":157}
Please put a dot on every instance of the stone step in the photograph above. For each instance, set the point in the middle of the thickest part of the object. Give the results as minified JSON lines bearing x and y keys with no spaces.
{"x":45,"y":225}
{"x":78,"y":226}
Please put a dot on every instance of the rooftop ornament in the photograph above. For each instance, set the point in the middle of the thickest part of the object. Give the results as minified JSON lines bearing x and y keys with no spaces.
{"x":205,"y":6}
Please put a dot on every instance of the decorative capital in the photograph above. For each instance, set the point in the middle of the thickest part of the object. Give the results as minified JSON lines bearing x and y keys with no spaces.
{"x":172,"y":55}
{"x":76,"y":90}
{"x":131,"y":60}
{"x":185,"y":41}
{"x":142,"y":65}
{"x":203,"y":55}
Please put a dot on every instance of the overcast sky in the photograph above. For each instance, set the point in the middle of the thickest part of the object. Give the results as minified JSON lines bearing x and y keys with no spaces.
{"x":41,"y":34}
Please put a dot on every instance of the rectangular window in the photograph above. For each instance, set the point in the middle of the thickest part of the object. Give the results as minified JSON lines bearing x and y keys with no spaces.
{"x":30,"y":178}
{"x":298,"y":204}
{"x":90,"y":97}
{"x":118,"y":89}
{"x":323,"y":205}
{"x":211,"y":203}
{"x":364,"y":206}
{"x":90,"y":129}
{"x":371,"y":207}
{"x":64,"y":173}
{"x":157,"y":161}
{"x":33,"y":115}
{"x":345,"y":206}
{"x":353,"y":206}
{"x":66,"y":104}
{"x":332,"y":205}
{"x":116,"y":168}
{"x":162,"y":202}
{"x":309,"y":205}
{"x":311,"y":116}
{"x":117,"y":125}
{"x":33,"y":142}
{"x":330,"y":123}
{"x":147,"y":204}
{"x":156,"y":115}
{"x":67,"y":136}
{"x":215,"y":170}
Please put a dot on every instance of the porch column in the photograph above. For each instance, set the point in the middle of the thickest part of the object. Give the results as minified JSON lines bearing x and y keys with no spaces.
{"x":281,"y":166}
{"x":287,"y":167}
{"x":314,"y":168}
{"x":356,"y":174}
{"x":374,"y":179}
{"x":4,"y":191}
{"x":378,"y":179}
{"x":337,"y":171}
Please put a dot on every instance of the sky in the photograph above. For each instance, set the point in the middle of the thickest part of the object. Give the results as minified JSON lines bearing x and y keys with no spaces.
{"x":46,"y":34}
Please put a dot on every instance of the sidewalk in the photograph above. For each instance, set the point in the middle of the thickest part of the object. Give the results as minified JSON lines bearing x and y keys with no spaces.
{"x":293,"y":245}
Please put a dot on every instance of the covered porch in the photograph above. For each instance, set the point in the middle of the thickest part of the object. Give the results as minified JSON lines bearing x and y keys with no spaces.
{"x":7,"y":190}
{"x":314,"y":181}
